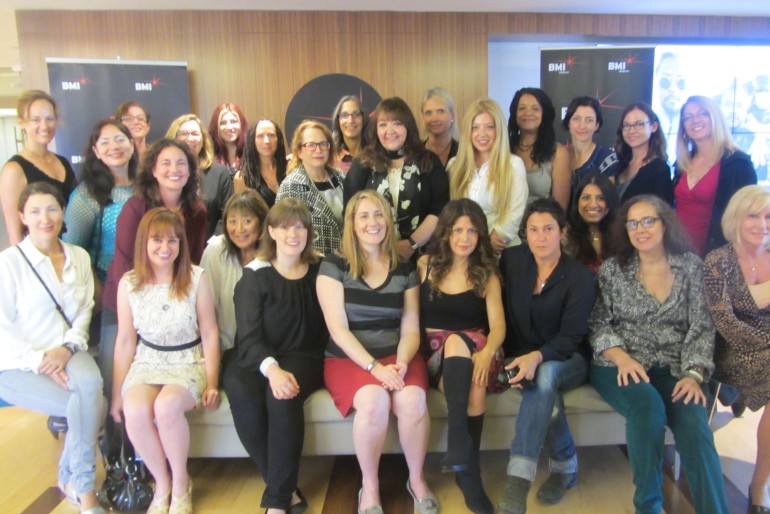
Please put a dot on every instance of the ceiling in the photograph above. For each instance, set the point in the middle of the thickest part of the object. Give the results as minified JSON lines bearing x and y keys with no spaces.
{"x":666,"y":7}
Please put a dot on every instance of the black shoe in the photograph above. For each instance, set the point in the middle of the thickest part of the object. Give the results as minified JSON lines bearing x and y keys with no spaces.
{"x":57,"y":425}
{"x":553,"y":489}
{"x":476,"y":498}
{"x":514,"y":500}
{"x":738,"y":408}
{"x":298,"y":508}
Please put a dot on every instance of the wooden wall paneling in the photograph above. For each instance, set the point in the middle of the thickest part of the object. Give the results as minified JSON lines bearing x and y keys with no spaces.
{"x":259,"y":59}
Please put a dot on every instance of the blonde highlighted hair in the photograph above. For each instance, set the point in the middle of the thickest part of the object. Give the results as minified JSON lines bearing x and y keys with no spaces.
{"x":747,"y":200}
{"x":720,"y":134}
{"x":206,"y":155}
{"x":296,"y":144}
{"x":500,"y":168}
{"x":351,"y":249}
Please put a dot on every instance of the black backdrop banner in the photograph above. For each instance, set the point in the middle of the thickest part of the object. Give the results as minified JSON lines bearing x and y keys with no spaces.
{"x":616,"y":76}
{"x":88,"y":91}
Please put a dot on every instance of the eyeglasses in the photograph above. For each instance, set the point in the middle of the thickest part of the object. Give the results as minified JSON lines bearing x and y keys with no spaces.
{"x":702,"y":115}
{"x":646,"y":222}
{"x":345,"y":116}
{"x":129,"y":118}
{"x":639,"y":125}
{"x":192,"y":134}
{"x":311,"y":146}
{"x":666,"y":83}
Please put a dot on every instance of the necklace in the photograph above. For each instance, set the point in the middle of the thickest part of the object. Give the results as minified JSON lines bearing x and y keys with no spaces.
{"x":444,"y":150}
{"x":524,"y":147}
{"x":541,"y":281}
{"x":595,"y":236}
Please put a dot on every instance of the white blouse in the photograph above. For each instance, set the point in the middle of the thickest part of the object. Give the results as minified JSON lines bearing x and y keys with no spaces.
{"x":30,"y":325}
{"x":506,"y":224}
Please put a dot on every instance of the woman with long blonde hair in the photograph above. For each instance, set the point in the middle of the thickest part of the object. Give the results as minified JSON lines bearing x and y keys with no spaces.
{"x":370,"y":300}
{"x":486,"y":172}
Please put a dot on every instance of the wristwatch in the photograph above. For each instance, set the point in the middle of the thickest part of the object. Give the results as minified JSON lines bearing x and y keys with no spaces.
{"x":70,"y":348}
{"x":414,"y":244}
{"x":371,"y":365}
{"x":694,"y":374}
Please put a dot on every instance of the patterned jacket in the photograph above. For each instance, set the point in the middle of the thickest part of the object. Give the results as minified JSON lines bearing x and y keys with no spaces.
{"x":328,"y":232}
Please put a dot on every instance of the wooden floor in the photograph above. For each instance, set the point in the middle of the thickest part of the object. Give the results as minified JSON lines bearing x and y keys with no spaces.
{"x":28,"y":460}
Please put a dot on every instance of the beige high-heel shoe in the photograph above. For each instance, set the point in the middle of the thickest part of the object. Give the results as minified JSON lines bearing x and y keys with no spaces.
{"x":160,"y":504}
{"x":182,"y":505}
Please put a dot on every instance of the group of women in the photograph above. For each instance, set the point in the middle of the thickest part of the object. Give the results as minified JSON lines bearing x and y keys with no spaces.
{"x":349,"y":267}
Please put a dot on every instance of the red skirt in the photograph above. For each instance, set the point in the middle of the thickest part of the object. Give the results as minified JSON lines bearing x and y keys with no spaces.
{"x":344,"y":378}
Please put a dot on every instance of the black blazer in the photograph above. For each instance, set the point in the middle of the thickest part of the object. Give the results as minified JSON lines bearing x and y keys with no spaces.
{"x":654,"y":178}
{"x":555,"y":322}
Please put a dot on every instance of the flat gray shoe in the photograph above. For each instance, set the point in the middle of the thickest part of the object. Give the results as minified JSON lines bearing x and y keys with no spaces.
{"x":553,"y":489}
{"x":374,"y":509}
{"x":514,"y":500}
{"x":426,"y":504}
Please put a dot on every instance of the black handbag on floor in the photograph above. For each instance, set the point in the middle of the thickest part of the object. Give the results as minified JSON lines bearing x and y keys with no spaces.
{"x":127,"y":484}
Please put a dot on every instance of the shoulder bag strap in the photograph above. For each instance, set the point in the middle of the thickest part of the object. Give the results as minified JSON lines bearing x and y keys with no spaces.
{"x":58,"y":307}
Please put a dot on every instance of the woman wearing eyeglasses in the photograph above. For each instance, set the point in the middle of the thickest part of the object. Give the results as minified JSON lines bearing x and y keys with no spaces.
{"x":653,"y":343}
{"x":641,"y":150}
{"x":312,"y":179}
{"x":709,"y":170}
{"x":349,"y":126}
{"x":134,"y":116}
{"x":216,"y":185}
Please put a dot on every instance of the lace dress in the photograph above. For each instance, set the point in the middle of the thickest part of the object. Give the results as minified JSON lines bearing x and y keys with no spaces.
{"x":166,"y":321}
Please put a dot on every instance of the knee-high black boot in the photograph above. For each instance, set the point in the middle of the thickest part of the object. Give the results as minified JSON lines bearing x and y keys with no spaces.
{"x":469,"y":481}
{"x":458,"y":373}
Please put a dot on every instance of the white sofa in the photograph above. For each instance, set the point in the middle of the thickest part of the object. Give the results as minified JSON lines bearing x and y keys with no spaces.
{"x":592,"y":421}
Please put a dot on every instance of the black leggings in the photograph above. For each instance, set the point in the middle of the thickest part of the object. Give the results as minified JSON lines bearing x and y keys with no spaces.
{"x":272,"y":431}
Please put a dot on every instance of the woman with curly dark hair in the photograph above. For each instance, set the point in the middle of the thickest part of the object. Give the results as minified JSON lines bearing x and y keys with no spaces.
{"x":653,"y":345}
{"x":397,"y":165}
{"x":533,"y":138}
{"x":462,"y":315}
{"x":263,"y":166}
{"x":641,"y":150}
{"x":106,"y":183}
{"x":590,"y":219}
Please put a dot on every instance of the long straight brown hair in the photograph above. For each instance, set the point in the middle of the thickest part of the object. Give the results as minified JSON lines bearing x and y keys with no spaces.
{"x":162,"y":222}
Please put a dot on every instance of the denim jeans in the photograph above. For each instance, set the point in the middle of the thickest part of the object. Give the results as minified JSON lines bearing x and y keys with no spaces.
{"x":538,"y":424}
{"x":83,"y":405}
{"x":648,"y":408}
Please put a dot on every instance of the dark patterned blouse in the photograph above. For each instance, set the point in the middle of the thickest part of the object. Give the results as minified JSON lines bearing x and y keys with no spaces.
{"x":677,"y":333}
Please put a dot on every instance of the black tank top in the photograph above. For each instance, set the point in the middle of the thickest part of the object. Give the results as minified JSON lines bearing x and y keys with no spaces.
{"x":442,"y":311}
{"x":34,"y":174}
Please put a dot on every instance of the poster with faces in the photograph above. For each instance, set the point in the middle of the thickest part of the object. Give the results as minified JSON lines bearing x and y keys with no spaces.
{"x":737,"y":78}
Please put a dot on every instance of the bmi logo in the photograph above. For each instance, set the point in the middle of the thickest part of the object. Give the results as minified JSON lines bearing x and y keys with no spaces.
{"x":70,"y":86}
{"x":560,"y":67}
{"x":619,"y":66}
{"x":143,"y":86}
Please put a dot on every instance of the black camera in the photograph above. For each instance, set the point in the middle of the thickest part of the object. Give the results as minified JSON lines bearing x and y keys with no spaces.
{"x":511,"y":373}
